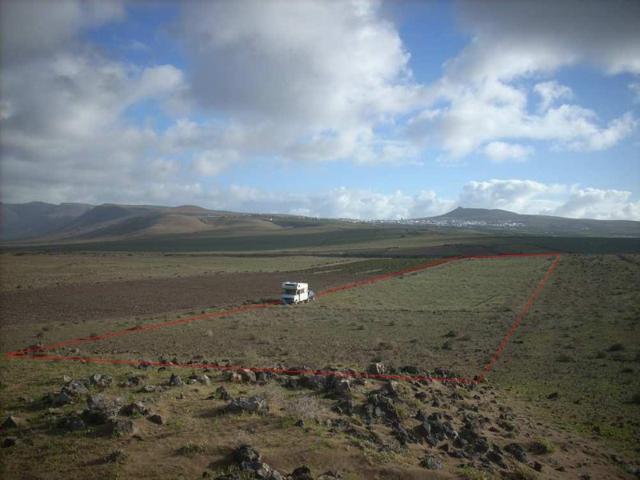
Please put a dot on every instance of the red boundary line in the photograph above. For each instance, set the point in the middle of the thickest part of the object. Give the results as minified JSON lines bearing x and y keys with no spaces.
{"x":39,"y":352}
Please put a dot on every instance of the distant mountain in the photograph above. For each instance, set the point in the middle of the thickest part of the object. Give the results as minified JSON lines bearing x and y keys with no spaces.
{"x":42,"y":222}
{"x":494,"y":219}
{"x":39,"y":222}
{"x":34,"y":219}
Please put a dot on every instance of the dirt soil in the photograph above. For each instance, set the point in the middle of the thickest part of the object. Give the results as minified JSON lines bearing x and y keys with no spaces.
{"x":138,"y":298}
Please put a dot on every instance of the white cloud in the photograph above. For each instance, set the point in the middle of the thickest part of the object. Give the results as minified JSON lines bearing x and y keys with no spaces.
{"x":528,"y":196}
{"x":316,"y":92}
{"x":550,"y":92}
{"x":501,"y":151}
{"x":481,"y":97}
{"x":599,"y":204}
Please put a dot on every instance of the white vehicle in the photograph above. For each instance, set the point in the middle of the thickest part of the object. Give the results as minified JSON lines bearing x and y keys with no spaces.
{"x":296,"y":292}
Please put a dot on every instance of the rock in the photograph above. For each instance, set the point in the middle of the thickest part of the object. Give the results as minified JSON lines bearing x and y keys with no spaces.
{"x":517,"y":451}
{"x":100,"y":409}
{"x":233,"y":377}
{"x":300,"y":423}
{"x":301,"y":473}
{"x":117,"y":456}
{"x":101,"y":380}
{"x":337,"y":386}
{"x":431,"y":462}
{"x":66,"y":379}
{"x":254,"y":404}
{"x":495,"y":456}
{"x":246,"y":453}
{"x":376,"y":368}
{"x":11,"y":422}
{"x":401,"y":434}
{"x":157,"y":419}
{"x":175,"y":381}
{"x":72,"y":423}
{"x":59,"y":399}
{"x":149,"y":388}
{"x":135,"y":408}
{"x":313,"y":382}
{"x":222,"y":393}
{"x":9,"y":442}
{"x":247,"y":375}
{"x":380,"y":406}
{"x":434,"y":429}
{"x":121,"y":427}
{"x":75,"y":388}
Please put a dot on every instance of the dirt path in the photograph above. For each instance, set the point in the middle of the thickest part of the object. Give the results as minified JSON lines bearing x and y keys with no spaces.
{"x":120,"y":299}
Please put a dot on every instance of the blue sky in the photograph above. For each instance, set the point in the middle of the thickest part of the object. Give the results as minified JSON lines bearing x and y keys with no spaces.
{"x":345,"y":109}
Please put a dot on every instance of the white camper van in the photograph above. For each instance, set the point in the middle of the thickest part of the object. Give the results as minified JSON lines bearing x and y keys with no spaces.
{"x":296,"y":292}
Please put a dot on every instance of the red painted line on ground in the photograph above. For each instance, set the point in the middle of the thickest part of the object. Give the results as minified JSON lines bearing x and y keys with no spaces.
{"x":39,"y":352}
{"x":519,"y":317}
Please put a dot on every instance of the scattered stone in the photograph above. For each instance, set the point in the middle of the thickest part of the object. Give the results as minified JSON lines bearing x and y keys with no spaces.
{"x":72,"y":423}
{"x":300,"y":423}
{"x":121,"y":427}
{"x":517,"y":451}
{"x":66,"y":379}
{"x":117,"y":456}
{"x":9,"y":442}
{"x":254,"y":404}
{"x":434,"y":430}
{"x":431,"y":462}
{"x":301,"y":473}
{"x":59,"y":399}
{"x":175,"y":381}
{"x":11,"y":422}
{"x":75,"y":388}
{"x":149,"y":388}
{"x":247,"y":375}
{"x":156,"y":418}
{"x":338,"y":387}
{"x":222,"y":393}
{"x":135,"y":408}
{"x":233,"y":377}
{"x":101,"y":380}
{"x":100,"y":409}
{"x":376,"y":368}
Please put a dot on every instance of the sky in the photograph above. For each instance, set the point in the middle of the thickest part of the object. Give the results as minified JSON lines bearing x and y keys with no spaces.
{"x":359,"y":109}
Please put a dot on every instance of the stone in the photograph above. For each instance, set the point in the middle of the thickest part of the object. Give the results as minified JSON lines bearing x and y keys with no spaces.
{"x":72,"y":423}
{"x":175,"y":381}
{"x":117,"y":456}
{"x":517,"y":451}
{"x":121,"y":427}
{"x":222,"y":393}
{"x":100,"y":409}
{"x":376,"y":368}
{"x":66,"y":379}
{"x":11,"y":422}
{"x":135,"y":408}
{"x":149,"y":388}
{"x":101,"y":380}
{"x":8,"y":442}
{"x":431,"y":462}
{"x":254,"y":404}
{"x":156,"y":418}
{"x":247,"y":375}
{"x":233,"y":377}
{"x":59,"y":399}
{"x":301,"y":473}
{"x":75,"y":388}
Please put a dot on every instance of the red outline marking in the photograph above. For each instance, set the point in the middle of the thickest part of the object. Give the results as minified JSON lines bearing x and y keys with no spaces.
{"x":38,"y":353}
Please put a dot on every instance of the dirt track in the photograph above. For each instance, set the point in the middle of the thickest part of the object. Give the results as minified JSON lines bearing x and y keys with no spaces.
{"x":137,"y":298}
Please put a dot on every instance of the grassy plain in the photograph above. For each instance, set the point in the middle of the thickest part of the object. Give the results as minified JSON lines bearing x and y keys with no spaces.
{"x":569,"y":375}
